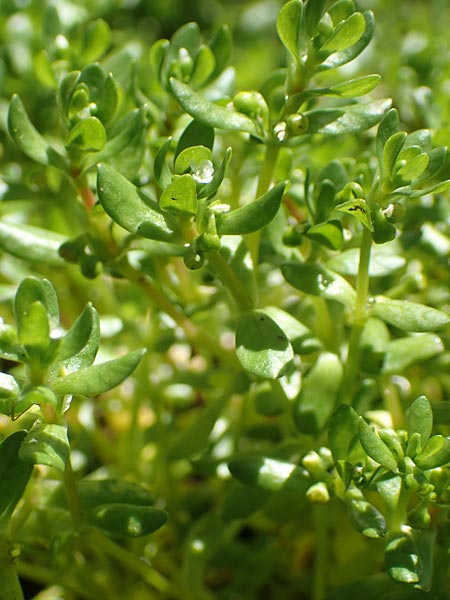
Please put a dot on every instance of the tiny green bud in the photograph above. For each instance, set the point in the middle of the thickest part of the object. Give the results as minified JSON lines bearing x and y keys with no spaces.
{"x":314,"y":464}
{"x":325,"y":25}
{"x":192,"y":258}
{"x":293,"y":236}
{"x":297,"y":124}
{"x":318,"y":493}
{"x":251,"y":104}
{"x":394,"y":212}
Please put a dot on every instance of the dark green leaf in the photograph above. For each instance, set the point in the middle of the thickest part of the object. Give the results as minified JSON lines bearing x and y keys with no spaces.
{"x":365,"y":518}
{"x":94,"y":380}
{"x":262,"y":347}
{"x":204,"y":66}
{"x":269,"y":474}
{"x":29,"y":140}
{"x":316,"y":280}
{"x":14,"y":473}
{"x":408,"y":316}
{"x":195,"y":134}
{"x":297,"y":333}
{"x":32,"y":243}
{"x":409,"y":557}
{"x":341,"y":10}
{"x":253,"y":216}
{"x":124,"y":204}
{"x":126,"y":520}
{"x":221,"y":46}
{"x":88,"y":135}
{"x":317,"y":399}
{"x":161,"y":170}
{"x":436,"y":453}
{"x":420,"y":418}
{"x":328,"y":234}
{"x":46,"y":444}
{"x":375,"y":447}
{"x":128,"y":129}
{"x":211,"y":114}
{"x":342,"y":431}
{"x":312,"y":14}
{"x":407,"y":351}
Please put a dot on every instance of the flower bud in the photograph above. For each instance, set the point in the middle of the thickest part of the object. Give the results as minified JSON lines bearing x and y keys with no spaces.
{"x":318,"y":493}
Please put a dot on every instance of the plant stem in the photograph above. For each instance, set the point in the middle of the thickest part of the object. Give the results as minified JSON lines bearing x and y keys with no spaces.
{"x":228,"y":277}
{"x":73,"y":498}
{"x":321,"y":555}
{"x":264,"y":181}
{"x":135,"y":564}
{"x":359,"y":318}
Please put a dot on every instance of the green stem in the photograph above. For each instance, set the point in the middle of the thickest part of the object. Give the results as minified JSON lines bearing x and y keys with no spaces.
{"x":228,"y":277}
{"x":72,"y":495}
{"x":10,"y":587}
{"x":321,"y":554}
{"x":359,"y":318}
{"x":135,"y":564}
{"x":265,"y":179}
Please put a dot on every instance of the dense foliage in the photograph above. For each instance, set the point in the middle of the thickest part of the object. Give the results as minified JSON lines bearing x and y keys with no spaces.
{"x":225,"y":296}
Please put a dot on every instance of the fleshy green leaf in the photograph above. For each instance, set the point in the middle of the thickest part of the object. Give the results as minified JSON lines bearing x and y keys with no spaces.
{"x":346,"y":119}
{"x":212,"y":114}
{"x":288,"y":23}
{"x":124,"y":204}
{"x":180,"y":197}
{"x":329,"y":234}
{"x":204,"y":65}
{"x":46,"y":444}
{"x":127,"y":130}
{"x":221,"y":46}
{"x":31,"y":290}
{"x":359,"y":209}
{"x":365,"y":518}
{"x":79,"y":346}
{"x":189,"y":157}
{"x":346,"y":34}
{"x":342,"y":431}
{"x":409,"y":557}
{"x":206,"y":190}
{"x":420,"y":418}
{"x":14,"y":473}
{"x":407,"y":351}
{"x":268,"y":474}
{"x":298,"y":334}
{"x":391,"y":150}
{"x":252,"y":216}
{"x":343,"y":57}
{"x":29,"y":140}
{"x":94,"y":380}
{"x":355,"y":87}
{"x":408,"y":316}
{"x":387,"y":128}
{"x":33,"y":327}
{"x":126,"y":520}
{"x":317,"y":399}
{"x":32,"y":243}
{"x":318,"y":281}
{"x":88,"y":135}
{"x":414,"y":168}
{"x":384,"y":260}
{"x":195,"y":134}
{"x":436,"y":453}
{"x":161,"y":170}
{"x":375,"y":447}
{"x":262,"y":348}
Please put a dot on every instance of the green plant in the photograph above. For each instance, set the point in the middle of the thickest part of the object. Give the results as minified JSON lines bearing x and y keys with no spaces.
{"x":281,"y":255}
